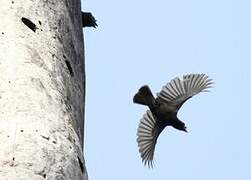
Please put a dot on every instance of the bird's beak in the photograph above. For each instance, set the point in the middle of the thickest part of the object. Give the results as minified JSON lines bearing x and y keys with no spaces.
{"x":186,"y":130}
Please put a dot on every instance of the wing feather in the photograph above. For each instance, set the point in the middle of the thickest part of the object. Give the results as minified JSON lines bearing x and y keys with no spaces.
{"x":177,"y":91}
{"x":147,"y":134}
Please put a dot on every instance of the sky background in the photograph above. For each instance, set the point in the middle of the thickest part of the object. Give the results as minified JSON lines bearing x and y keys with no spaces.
{"x":151,"y":42}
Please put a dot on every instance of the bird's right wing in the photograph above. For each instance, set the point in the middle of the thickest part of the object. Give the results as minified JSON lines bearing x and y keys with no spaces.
{"x":148,"y":132}
{"x":176,"y":92}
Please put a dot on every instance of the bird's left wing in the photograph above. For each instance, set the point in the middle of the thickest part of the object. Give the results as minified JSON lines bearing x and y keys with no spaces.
{"x":148,"y":131}
{"x":177,"y":91}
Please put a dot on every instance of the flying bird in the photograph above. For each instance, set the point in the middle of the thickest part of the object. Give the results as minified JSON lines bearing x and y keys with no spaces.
{"x":163,"y":110}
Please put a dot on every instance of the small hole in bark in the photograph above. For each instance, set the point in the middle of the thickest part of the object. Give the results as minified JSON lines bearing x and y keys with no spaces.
{"x":64,"y":56}
{"x":69,"y":67}
{"x":54,"y":142}
{"x":21,"y":130}
{"x":13,"y":159}
{"x":9,"y":81}
{"x":29,"y":24}
{"x":12,"y":2}
{"x":81,"y":165}
{"x":2,"y":32}
{"x":44,"y":175}
{"x":47,"y":138}
{"x":40,"y":23}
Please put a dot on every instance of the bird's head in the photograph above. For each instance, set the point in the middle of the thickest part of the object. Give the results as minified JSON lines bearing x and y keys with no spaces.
{"x":180,"y":125}
{"x":185,"y":129}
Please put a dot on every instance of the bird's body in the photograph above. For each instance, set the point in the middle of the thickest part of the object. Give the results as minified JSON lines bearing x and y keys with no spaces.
{"x":163,"y":110}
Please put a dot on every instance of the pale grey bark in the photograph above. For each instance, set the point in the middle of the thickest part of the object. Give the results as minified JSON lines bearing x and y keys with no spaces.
{"x":41,"y":90}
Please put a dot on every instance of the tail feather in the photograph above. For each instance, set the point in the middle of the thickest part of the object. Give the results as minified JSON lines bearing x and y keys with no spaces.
{"x":144,"y":96}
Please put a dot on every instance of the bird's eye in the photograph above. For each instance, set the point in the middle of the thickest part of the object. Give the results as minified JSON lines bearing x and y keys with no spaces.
{"x":156,"y":103}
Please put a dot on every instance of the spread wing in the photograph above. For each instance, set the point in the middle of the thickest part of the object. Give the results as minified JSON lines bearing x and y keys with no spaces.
{"x":148,"y":132}
{"x":177,"y":91}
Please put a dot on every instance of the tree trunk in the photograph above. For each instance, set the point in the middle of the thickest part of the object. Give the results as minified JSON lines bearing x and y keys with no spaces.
{"x":42,"y":85}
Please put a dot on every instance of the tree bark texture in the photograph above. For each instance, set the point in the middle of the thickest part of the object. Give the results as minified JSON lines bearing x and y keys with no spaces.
{"x":42,"y":85}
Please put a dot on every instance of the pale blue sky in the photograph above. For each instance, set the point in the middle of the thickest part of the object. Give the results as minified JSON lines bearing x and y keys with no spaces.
{"x":151,"y":42}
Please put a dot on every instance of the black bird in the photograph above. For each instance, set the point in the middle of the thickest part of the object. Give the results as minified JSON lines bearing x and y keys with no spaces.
{"x":88,"y":20}
{"x":163,"y":110}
